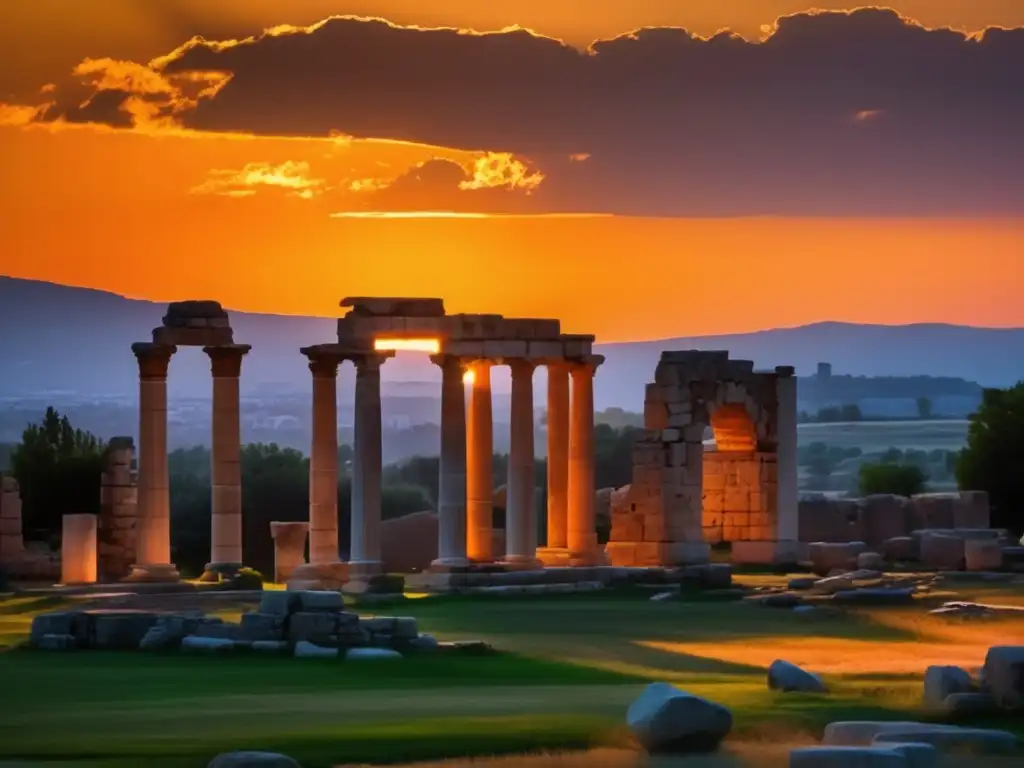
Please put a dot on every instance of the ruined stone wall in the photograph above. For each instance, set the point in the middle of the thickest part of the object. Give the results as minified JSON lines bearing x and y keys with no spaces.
{"x":874,"y":519}
{"x":672,"y":506}
{"x":739,"y":502}
{"x":12,"y":543}
{"x":116,"y":534}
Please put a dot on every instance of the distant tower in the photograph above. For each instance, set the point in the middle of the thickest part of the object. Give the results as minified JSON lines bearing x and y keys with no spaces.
{"x":824,"y":370}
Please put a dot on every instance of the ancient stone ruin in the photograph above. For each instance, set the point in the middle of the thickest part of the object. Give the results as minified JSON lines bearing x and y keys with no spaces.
{"x":684,"y":497}
{"x":117,"y":525}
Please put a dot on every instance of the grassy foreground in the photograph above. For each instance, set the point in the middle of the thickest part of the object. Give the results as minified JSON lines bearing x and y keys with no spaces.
{"x":573,"y":665}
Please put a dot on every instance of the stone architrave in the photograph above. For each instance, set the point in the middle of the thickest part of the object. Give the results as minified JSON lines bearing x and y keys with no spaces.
{"x":479,"y":467}
{"x":289,"y":548}
{"x":365,"y":555}
{"x":117,"y":524}
{"x":225,"y":458}
{"x":558,"y":458}
{"x":12,"y":542}
{"x":153,"y":542}
{"x":520,"y":512}
{"x":78,"y":550}
{"x":582,"y":525}
{"x":451,"y":535}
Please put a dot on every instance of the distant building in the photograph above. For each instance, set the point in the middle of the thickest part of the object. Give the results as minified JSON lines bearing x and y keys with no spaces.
{"x":824,"y":371}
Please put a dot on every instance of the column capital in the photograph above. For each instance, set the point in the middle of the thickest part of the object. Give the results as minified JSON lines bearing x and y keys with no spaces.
{"x":371,"y":361}
{"x":154,"y":359}
{"x":445,"y":361}
{"x":226,"y":359}
{"x":521,"y":366}
{"x":586,"y":366}
{"x":323,"y":364}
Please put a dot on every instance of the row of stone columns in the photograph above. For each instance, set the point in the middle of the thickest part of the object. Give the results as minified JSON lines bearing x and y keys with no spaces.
{"x":153,"y":542}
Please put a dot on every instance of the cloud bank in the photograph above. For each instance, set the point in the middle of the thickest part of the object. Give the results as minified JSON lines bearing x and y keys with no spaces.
{"x":834,"y":113}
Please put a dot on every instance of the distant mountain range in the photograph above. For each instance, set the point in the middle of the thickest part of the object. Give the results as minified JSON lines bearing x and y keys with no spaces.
{"x":61,"y":339}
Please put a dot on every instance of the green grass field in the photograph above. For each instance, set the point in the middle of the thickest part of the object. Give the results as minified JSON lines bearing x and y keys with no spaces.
{"x":874,"y":436}
{"x":569,"y":668}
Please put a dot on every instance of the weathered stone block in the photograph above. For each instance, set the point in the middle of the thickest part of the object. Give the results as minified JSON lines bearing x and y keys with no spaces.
{"x":983,"y":555}
{"x":121,"y":630}
{"x":262,"y":626}
{"x":944,"y":553}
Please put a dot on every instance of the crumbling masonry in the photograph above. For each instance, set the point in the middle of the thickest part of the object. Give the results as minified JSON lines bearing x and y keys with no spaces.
{"x":684,"y":497}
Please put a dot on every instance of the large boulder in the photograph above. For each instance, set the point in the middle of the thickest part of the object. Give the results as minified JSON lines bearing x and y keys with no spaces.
{"x":252,"y":760}
{"x":941,"y":681}
{"x":665,"y":719}
{"x":786,"y":677}
{"x":1004,"y":675}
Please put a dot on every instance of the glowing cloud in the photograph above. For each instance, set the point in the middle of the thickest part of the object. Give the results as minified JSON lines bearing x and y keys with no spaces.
{"x":501,"y":169}
{"x":290,"y":176}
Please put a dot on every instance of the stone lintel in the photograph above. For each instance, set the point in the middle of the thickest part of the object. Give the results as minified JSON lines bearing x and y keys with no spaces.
{"x":189,"y":336}
{"x":154,"y":359}
{"x":403,"y":306}
{"x":785,"y":371}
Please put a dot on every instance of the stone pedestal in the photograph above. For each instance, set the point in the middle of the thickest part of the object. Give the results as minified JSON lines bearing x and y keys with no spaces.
{"x":451,"y":535}
{"x":365,"y":555}
{"x":12,"y":542}
{"x":78,"y":550}
{"x":479,"y":467}
{"x":225,"y":462}
{"x":289,"y":548}
{"x":520,"y":512}
{"x":117,"y":524}
{"x":582,"y":526}
{"x":153,"y":544}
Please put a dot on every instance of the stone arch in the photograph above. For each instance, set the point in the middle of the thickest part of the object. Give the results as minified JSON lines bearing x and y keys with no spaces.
{"x":734,"y":428}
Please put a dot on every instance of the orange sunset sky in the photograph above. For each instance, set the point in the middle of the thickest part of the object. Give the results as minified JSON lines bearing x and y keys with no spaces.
{"x":836,"y":166}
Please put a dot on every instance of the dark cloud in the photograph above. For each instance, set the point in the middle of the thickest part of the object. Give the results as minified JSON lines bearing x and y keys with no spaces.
{"x":835,"y":113}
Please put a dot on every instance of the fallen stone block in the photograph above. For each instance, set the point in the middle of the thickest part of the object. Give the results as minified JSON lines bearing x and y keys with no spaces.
{"x":121,"y":630}
{"x":966,"y":704}
{"x":73,"y":623}
{"x":899,"y":548}
{"x":846,"y":757}
{"x":801,"y":582}
{"x":860,"y":733}
{"x":942,"y":552}
{"x":827,"y":556}
{"x":423,"y":642}
{"x":978,"y":741}
{"x":371,"y":654}
{"x":310,"y":600}
{"x":786,"y":677}
{"x":269,"y":646}
{"x":252,"y":760}
{"x":56,"y":642}
{"x":277,"y":602}
{"x":983,"y":555}
{"x":262,"y":626}
{"x":918,"y":755}
{"x":665,"y":720}
{"x":307,"y":650}
{"x":196,"y":644}
{"x":1004,"y":675}
{"x":941,"y":681}
{"x":871,"y":561}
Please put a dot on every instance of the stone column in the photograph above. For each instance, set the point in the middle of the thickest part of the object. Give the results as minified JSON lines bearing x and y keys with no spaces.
{"x":117,"y":524}
{"x":323,"y":463}
{"x":12,"y":542}
{"x":225,"y":460}
{"x":520,"y":510}
{"x":289,"y":548}
{"x":78,"y":550}
{"x":451,"y":533}
{"x":153,"y":542}
{"x":788,"y":500}
{"x":558,"y":463}
{"x":365,"y":555}
{"x":479,"y":467}
{"x":582,"y":527}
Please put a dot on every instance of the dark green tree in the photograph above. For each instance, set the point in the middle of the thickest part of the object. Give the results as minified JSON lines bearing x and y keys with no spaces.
{"x":993,"y":460}
{"x":899,"y":479}
{"x":924,"y":407}
{"x":58,"y":468}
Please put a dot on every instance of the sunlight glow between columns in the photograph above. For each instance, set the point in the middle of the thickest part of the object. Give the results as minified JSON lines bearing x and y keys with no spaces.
{"x":430,"y":346}
{"x":469,"y":376}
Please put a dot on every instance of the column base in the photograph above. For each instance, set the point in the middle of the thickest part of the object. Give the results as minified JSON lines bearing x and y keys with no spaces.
{"x":588,"y":559}
{"x":150,"y":573}
{"x":330,"y":576}
{"x":521,"y":563}
{"x":214,"y":572}
{"x":553,"y":556}
{"x":448,"y":564}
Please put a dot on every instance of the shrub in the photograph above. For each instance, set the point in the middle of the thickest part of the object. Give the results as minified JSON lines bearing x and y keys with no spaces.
{"x":899,"y":479}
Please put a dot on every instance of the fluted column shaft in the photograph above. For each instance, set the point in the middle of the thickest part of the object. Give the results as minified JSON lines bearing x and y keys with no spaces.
{"x":520,"y":512}
{"x":558,"y":455}
{"x":582,"y":528}
{"x":225,"y":466}
{"x":323,"y":463}
{"x":365,"y":555}
{"x":153,"y":545}
{"x":451,"y":535}
{"x":479,"y":467}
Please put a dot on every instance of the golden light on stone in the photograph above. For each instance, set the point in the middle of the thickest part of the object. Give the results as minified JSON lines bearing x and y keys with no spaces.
{"x":469,"y":376}
{"x":430,"y":346}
